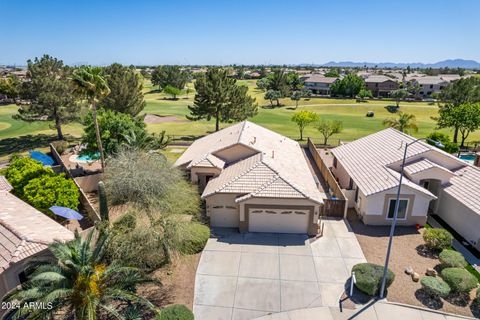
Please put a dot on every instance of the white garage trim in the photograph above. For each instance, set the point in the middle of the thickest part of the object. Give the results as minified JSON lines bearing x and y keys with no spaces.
{"x":281,"y":220}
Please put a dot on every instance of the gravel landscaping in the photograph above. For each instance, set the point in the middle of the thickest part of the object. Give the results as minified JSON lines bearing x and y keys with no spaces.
{"x":408,"y":250}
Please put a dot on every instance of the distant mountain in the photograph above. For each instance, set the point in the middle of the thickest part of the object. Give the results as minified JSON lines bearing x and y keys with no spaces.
{"x":450,"y":63}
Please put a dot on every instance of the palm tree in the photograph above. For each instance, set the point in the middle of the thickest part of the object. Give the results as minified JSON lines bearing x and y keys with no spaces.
{"x":404,"y":123}
{"x":90,"y":83}
{"x":79,"y":282}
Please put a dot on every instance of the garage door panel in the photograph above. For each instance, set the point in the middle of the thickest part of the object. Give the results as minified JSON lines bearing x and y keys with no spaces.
{"x":224,"y":216}
{"x":278,"y":220}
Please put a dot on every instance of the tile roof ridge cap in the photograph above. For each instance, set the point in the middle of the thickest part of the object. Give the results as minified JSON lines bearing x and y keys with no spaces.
{"x":244,"y":123}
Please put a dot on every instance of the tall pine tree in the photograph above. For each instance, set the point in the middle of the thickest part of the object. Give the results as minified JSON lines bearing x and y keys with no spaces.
{"x":126,"y":87}
{"x":219,"y":97}
{"x":50,"y":93}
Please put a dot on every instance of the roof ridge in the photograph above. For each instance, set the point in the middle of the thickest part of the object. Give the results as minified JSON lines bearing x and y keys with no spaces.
{"x":241,"y":131}
{"x":20,"y":236}
{"x":293,"y":185}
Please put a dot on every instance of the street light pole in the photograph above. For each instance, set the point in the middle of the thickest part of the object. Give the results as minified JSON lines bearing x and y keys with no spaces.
{"x":395,"y":214}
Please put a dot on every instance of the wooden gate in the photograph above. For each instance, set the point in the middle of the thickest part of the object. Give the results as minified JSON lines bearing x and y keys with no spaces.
{"x":334,"y":208}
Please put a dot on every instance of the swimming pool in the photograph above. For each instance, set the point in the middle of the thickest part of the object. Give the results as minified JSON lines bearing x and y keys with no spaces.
{"x":470,"y":158}
{"x":89,"y":157}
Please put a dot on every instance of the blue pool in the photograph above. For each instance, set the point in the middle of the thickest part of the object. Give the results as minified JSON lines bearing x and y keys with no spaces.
{"x":467,"y":157}
{"x":89,"y":157}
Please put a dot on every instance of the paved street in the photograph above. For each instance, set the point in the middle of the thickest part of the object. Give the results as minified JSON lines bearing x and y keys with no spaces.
{"x":244,"y":276}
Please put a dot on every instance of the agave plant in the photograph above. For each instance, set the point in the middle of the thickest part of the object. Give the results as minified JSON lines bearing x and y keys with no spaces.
{"x":79,"y":282}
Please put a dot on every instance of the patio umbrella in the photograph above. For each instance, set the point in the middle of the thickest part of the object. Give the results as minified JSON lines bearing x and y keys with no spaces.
{"x":66,"y":213}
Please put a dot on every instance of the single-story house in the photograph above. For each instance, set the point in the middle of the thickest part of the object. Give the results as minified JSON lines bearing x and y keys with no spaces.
{"x":381,"y":85}
{"x":25,"y":234}
{"x":436,"y":182}
{"x":319,"y":84}
{"x":254,"y":179}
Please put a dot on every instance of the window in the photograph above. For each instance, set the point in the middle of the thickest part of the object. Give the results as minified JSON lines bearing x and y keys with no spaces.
{"x":334,"y":162}
{"x":356,"y":195}
{"x":286,"y":212}
{"x":299,"y":212}
{"x":431,"y":86}
{"x":426,"y":184}
{"x":402,"y":209}
{"x":350,"y":184}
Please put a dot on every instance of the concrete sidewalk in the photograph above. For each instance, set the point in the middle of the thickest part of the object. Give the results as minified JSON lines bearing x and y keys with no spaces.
{"x":374,"y":311}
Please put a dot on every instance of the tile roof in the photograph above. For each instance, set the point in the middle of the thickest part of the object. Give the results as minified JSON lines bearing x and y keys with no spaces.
{"x":4,"y":185}
{"x":367,"y":160}
{"x":430,"y":80}
{"x":422,"y":165}
{"x":465,"y":187}
{"x":320,"y":78}
{"x":24,"y":230}
{"x":207,"y":160}
{"x":378,"y":79}
{"x":277,"y":156}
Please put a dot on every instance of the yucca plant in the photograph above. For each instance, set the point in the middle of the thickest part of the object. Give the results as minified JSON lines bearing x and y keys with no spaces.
{"x":79,"y":282}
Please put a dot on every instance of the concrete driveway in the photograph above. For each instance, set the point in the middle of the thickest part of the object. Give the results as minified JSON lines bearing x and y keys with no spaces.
{"x":244,"y":276}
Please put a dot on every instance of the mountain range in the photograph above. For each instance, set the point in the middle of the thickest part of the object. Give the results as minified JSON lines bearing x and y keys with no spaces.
{"x":450,"y":63}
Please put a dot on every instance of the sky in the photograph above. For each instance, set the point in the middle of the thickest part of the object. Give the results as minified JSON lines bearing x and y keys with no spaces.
{"x":239,"y":31}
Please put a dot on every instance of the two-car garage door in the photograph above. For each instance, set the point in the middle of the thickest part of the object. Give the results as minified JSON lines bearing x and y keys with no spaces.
{"x":278,"y":220}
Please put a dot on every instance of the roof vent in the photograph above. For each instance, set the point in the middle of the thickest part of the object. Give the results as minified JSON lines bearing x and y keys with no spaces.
{"x":254,"y":140}
{"x":273,"y":154}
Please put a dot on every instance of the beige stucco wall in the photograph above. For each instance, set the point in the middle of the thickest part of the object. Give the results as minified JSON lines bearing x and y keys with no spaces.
{"x":89,"y":183}
{"x":235,"y":153}
{"x":224,"y":199}
{"x":341,"y":174}
{"x":459,"y":217}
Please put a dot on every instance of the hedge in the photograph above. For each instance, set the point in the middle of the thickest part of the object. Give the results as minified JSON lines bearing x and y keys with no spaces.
{"x":195,"y":237}
{"x":175,"y":312}
{"x":435,"y":287}
{"x":369,"y":277}
{"x":452,"y":259}
{"x":459,"y":280}
{"x":437,"y":239}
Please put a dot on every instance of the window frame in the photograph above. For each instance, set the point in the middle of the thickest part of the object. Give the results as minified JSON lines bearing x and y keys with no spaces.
{"x":406,"y":208}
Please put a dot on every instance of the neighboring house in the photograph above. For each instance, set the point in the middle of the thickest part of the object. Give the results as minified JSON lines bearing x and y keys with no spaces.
{"x":434,"y":182}
{"x":25,"y":234}
{"x":429,"y":85}
{"x":254,"y":179}
{"x":319,"y":84}
{"x":380,"y":85}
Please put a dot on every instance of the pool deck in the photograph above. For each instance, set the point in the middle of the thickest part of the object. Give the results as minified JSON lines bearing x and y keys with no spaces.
{"x":74,"y":167}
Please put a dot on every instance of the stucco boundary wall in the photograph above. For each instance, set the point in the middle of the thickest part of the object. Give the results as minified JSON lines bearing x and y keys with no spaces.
{"x":92,"y":213}
{"x":329,"y":179}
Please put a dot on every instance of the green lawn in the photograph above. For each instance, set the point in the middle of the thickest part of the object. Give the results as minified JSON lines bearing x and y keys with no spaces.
{"x":16,"y":135}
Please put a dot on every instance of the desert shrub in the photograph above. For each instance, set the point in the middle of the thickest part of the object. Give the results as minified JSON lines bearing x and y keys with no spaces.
{"x":369,"y":277}
{"x":175,"y":312}
{"x":61,"y":146}
{"x":22,"y":170}
{"x":149,"y":181}
{"x":52,"y":190}
{"x":452,"y":259}
{"x":126,"y":222}
{"x":195,"y":237}
{"x":435,"y":287}
{"x":459,"y":280}
{"x":437,"y":239}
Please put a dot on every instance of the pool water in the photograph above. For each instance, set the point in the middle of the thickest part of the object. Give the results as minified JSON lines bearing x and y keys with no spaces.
{"x":467,"y":157}
{"x":89,"y":157}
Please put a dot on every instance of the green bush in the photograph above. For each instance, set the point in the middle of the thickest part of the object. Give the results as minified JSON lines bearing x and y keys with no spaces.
{"x":477,"y":298}
{"x":175,"y":312}
{"x":195,"y":237}
{"x":437,"y":239}
{"x":448,"y":145}
{"x":61,"y":146}
{"x":126,"y":222}
{"x":435,"y":287}
{"x":369,"y":277}
{"x":22,"y":170}
{"x":452,"y":259}
{"x":52,"y":190}
{"x":459,"y":280}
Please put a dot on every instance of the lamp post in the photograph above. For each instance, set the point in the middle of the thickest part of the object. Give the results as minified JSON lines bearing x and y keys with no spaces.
{"x":395,"y":213}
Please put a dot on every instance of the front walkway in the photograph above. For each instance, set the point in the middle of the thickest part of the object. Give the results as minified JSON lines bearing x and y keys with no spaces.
{"x":244,"y":276}
{"x":374,"y":311}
